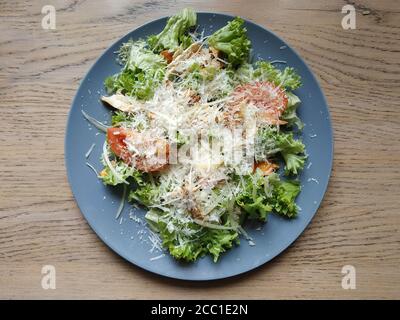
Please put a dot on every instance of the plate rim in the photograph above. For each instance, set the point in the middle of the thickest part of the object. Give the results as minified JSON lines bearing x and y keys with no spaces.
{"x":262,"y":262}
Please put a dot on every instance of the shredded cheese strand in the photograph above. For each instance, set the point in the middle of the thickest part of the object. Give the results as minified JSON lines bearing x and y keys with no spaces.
{"x":121,"y":205}
{"x":96,"y":123}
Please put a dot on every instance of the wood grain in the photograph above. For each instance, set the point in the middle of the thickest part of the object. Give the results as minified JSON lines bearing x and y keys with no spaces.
{"x":358,"y":222}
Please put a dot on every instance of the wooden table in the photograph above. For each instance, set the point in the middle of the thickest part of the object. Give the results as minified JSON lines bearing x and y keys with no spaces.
{"x":358,"y":223}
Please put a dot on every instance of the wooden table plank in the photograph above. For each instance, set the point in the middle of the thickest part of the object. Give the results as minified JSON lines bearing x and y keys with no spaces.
{"x":358,"y":222}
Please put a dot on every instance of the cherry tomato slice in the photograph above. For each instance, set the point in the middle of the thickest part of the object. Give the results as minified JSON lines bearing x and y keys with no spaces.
{"x":116,"y":139}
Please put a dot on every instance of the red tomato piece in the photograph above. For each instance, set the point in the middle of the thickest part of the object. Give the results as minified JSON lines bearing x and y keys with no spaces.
{"x":264,"y":95}
{"x":116,"y":139}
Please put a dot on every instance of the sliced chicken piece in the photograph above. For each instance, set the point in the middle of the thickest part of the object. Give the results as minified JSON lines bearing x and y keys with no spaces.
{"x":168,"y":56}
{"x":196,"y":213}
{"x":234,"y":113}
{"x":188,"y":197}
{"x":122,"y":103}
{"x":151,"y":153}
{"x":216,"y":61}
{"x":185,"y":55}
{"x":266,"y":167}
{"x":214,"y":52}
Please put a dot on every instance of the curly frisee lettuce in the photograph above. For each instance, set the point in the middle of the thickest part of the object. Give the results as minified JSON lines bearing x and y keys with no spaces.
{"x":174,"y":34}
{"x":232,"y":41}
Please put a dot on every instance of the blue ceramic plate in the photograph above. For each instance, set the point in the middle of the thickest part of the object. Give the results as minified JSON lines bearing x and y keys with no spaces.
{"x":129,"y":237}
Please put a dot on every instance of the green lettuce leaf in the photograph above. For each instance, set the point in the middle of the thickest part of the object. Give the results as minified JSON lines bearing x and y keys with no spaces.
{"x":252,"y":198}
{"x":188,"y":241}
{"x":262,"y":195}
{"x":142,"y":73}
{"x":243,"y":74}
{"x":290,"y":114}
{"x":144,"y":59}
{"x":288,"y":78}
{"x":294,"y":162}
{"x":124,"y":172}
{"x":284,"y":194}
{"x":173,"y":34}
{"x":232,"y":41}
{"x":120,"y":117}
{"x":144,"y":193}
{"x":270,"y":141}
